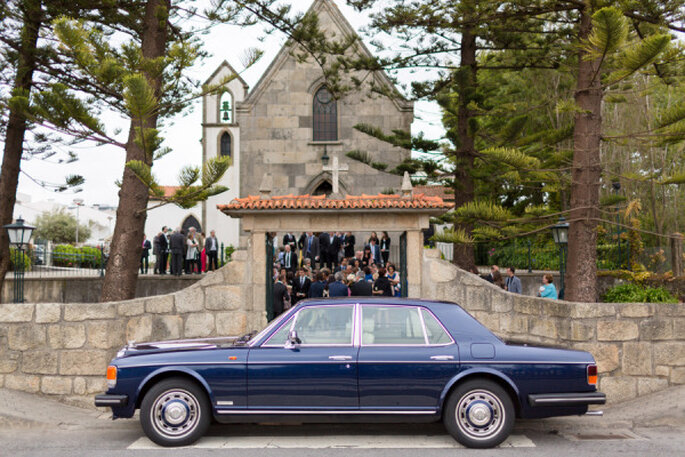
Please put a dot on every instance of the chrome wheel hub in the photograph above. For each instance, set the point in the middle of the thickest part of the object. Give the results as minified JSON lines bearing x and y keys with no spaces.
{"x":175,"y":413}
{"x":480,"y":414}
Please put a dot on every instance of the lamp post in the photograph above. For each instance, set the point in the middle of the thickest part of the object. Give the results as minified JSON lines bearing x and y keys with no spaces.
{"x":78,"y":202}
{"x":560,"y":234}
{"x":19,"y":235}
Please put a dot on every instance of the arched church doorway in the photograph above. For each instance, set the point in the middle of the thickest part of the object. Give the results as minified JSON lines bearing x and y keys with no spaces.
{"x":191,"y":221}
{"x":325,"y":188}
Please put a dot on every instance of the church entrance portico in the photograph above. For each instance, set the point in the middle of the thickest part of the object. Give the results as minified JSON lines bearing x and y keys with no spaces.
{"x":405,"y":216}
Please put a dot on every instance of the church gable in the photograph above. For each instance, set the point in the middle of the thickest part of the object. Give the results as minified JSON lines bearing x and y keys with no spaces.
{"x":291,"y":125}
{"x":332,"y":20}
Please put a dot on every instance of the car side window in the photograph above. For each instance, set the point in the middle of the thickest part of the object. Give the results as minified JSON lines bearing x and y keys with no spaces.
{"x":436,"y":333}
{"x":280,"y":337}
{"x":400,"y":325}
{"x":325,"y":325}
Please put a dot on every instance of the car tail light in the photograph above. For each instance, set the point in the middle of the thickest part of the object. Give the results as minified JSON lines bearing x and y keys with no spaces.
{"x":592,"y":375}
{"x":111,"y":376}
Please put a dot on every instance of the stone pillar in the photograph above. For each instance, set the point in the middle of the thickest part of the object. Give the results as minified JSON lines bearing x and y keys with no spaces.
{"x":677,"y":254}
{"x":414,"y":262}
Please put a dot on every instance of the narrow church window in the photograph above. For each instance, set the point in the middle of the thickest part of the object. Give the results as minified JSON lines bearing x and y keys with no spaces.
{"x":325,"y":116}
{"x":225,"y":148}
{"x":226,"y":108}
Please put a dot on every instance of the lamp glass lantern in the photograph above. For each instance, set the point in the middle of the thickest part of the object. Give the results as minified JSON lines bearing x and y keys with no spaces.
{"x":560,"y":232}
{"x":19,"y":233}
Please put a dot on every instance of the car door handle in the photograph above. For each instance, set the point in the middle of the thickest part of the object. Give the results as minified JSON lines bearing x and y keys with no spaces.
{"x":340,"y":357}
{"x":442,"y":357}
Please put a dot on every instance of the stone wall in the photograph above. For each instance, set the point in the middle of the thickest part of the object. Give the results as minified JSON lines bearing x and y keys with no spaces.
{"x":87,"y":289}
{"x":63,"y":349}
{"x":639,"y":347}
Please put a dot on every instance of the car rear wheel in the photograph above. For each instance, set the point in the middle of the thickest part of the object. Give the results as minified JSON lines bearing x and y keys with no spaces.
{"x":479,"y":414}
{"x":175,"y":412}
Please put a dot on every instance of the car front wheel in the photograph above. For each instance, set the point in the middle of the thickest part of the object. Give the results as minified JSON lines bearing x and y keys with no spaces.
{"x":175,"y":412}
{"x":479,"y":414}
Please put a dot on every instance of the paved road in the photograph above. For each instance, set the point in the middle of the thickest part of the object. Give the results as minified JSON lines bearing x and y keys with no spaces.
{"x":653,"y":426}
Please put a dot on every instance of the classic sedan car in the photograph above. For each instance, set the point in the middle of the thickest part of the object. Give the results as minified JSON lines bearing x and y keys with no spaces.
{"x":376,"y":359}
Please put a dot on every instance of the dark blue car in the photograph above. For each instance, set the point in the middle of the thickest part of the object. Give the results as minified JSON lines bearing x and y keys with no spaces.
{"x":376,"y":359}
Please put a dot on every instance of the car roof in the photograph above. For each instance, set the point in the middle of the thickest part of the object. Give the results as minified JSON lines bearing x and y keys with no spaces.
{"x":372,"y":300}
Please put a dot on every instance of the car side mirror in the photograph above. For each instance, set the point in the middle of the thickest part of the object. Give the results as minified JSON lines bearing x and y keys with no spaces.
{"x":293,"y":340}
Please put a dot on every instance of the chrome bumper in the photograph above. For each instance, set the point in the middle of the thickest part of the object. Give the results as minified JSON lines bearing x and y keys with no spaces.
{"x":113,"y":401}
{"x":567,"y":399}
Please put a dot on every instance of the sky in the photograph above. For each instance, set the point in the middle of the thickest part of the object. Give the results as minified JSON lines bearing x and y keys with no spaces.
{"x":103,"y":166}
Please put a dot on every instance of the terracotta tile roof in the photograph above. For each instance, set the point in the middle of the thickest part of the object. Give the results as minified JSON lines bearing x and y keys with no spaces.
{"x":443,"y":192}
{"x":168,"y":191}
{"x":380,"y":201}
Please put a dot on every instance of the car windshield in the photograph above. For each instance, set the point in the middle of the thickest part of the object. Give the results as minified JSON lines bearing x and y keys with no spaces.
{"x":268,"y":328}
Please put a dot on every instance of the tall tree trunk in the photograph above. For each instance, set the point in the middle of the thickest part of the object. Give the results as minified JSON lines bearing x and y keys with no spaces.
{"x":466,"y":150}
{"x":16,"y":126}
{"x":122,"y":268}
{"x":581,"y":276}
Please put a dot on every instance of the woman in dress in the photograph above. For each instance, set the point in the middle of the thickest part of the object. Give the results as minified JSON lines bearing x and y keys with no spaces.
{"x":394,"y":278}
{"x":366,"y":257}
{"x":385,"y":248}
{"x":191,"y":253}
{"x":547,"y":290}
{"x":382,"y":285}
{"x":372,"y":237}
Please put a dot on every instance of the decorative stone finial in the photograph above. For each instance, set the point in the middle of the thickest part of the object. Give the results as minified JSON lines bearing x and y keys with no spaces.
{"x":266,"y":186}
{"x":407,"y":189}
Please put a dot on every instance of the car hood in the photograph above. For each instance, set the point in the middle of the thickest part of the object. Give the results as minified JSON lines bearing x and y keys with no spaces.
{"x":157,"y":347}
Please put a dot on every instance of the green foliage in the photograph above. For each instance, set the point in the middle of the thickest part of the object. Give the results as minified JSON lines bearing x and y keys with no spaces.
{"x":635,"y":293}
{"x":379,"y":165}
{"x":59,"y":227}
{"x":609,"y":31}
{"x":65,"y":255}
{"x":360,"y":156}
{"x":14,"y":257}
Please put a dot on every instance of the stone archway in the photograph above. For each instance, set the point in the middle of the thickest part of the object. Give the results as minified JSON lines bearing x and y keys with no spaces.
{"x":191,"y":221}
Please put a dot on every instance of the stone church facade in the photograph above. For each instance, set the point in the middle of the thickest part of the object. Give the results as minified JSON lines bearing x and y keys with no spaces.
{"x":290,"y":127}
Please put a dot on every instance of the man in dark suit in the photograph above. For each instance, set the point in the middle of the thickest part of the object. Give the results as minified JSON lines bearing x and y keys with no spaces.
{"x":348,"y":245}
{"x":289,"y":239}
{"x":280,"y":295}
{"x":178,"y":249}
{"x":163,"y":251}
{"x":310,"y":247}
{"x":317,"y":288}
{"x":334,"y":250}
{"x":324,"y":248}
{"x":361,"y":288}
{"x":301,"y":286}
{"x":289,"y":261}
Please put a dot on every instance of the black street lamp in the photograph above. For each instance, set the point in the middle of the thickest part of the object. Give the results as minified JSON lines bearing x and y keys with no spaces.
{"x":324,"y":157}
{"x":19,"y":235}
{"x":560,"y":234}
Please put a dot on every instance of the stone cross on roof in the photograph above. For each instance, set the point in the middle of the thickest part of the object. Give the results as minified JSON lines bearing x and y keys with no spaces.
{"x":335,"y":170}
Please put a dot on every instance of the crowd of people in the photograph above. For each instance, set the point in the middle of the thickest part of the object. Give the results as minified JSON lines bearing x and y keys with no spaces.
{"x":328,"y":265}
{"x":177,"y":252}
{"x":512,"y":283}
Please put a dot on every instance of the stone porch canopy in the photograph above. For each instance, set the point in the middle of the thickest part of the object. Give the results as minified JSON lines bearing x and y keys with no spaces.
{"x":407,"y":213}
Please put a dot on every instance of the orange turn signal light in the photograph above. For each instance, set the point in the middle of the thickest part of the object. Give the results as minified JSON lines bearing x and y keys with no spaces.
{"x":233,"y":358}
{"x":111,"y":376}
{"x":592,"y":375}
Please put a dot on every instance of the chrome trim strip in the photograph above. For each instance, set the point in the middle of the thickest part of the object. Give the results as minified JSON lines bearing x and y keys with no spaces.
{"x":518,"y":362}
{"x":423,"y":326}
{"x":567,"y":400}
{"x":332,"y":411}
{"x":178,"y":365}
